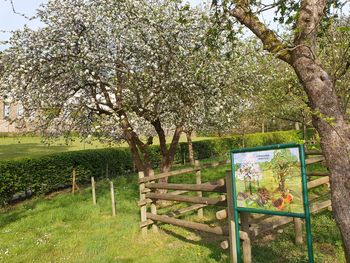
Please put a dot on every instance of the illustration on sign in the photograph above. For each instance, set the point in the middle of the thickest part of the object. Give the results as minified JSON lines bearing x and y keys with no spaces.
{"x":269,"y":180}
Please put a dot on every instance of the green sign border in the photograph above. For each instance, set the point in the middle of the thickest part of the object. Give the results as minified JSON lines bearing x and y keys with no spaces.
{"x":305,"y":215}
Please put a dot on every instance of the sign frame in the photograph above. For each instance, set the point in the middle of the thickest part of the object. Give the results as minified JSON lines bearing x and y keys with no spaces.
{"x":305,"y":215}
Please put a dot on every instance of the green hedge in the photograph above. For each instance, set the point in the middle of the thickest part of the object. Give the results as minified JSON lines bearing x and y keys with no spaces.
{"x":52,"y":172}
{"x":222,"y":146}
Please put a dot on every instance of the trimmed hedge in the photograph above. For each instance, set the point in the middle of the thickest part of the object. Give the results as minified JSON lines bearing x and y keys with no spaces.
{"x":52,"y":172}
{"x":221,"y":146}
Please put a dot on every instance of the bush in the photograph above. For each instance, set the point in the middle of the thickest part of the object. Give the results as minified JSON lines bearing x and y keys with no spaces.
{"x":222,"y":146}
{"x":52,"y":172}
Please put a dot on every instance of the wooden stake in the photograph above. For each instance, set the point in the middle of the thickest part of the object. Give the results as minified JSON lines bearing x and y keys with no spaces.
{"x":199,"y":182}
{"x":143,"y":207}
{"x":246,"y":244}
{"x":113,"y":199}
{"x":244,"y":221}
{"x":247,"y":251}
{"x":298,"y":228}
{"x":73,"y":181}
{"x":93,"y":188}
{"x":153,"y":207}
{"x":231,"y":222}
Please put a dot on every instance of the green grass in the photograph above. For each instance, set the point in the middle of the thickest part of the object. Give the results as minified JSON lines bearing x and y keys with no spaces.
{"x":20,"y":147}
{"x":62,"y":227}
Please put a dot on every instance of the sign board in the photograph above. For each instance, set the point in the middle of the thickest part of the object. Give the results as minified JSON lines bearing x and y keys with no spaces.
{"x":271,"y":180}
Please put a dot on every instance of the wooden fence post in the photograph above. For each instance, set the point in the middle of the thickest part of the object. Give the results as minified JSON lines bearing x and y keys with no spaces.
{"x":153,"y":206}
{"x":143,"y":205}
{"x":74,"y":184}
{"x":247,"y":251}
{"x":231,"y":222}
{"x":199,"y":181}
{"x":246,"y":244}
{"x":73,"y":180}
{"x":244,"y":221}
{"x":298,"y":228}
{"x":93,"y":188}
{"x":113,"y":199}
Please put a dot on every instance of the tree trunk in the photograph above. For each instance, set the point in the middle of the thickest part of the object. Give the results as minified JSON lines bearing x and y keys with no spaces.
{"x":304,"y":126}
{"x":190,"y":147}
{"x":139,"y":150}
{"x":263,"y":127}
{"x":168,"y":155}
{"x":328,"y":120}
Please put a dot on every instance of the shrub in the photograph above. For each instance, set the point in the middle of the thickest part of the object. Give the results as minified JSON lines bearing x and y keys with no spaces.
{"x":52,"y":172}
{"x":222,"y":146}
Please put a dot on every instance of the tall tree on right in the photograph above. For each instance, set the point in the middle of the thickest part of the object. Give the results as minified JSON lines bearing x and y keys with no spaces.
{"x":307,"y":19}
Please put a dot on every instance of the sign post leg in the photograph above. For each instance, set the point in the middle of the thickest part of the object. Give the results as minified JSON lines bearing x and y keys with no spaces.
{"x":231,"y":222}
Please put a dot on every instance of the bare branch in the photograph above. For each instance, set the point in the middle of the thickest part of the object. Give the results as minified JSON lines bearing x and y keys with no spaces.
{"x":18,"y":13}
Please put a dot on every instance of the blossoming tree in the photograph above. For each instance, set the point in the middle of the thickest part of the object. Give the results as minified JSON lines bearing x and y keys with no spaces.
{"x":121,"y":69}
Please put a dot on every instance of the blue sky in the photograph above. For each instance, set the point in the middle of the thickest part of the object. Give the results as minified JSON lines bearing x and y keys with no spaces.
{"x":10,"y":21}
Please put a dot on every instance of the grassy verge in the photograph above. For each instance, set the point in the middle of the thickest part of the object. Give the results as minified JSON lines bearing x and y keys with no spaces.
{"x":67,"y":228}
{"x":18,"y":147}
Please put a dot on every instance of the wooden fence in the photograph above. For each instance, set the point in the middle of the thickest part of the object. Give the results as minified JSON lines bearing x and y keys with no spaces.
{"x":251,"y":225}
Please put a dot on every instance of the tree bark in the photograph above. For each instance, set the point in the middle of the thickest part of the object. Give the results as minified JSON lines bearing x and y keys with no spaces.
{"x":328,"y":117}
{"x":190,"y":146}
{"x":328,"y":120}
{"x":137,"y":148}
{"x":263,"y":127}
{"x":168,"y":155}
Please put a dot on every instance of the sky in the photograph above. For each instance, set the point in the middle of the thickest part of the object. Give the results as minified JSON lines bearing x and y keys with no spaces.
{"x":11,"y":21}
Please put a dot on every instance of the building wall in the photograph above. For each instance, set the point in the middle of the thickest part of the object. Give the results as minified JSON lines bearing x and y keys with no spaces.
{"x":5,"y":125}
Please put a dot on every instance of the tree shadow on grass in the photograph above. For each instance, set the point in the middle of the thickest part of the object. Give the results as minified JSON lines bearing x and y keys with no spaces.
{"x":261,"y":252}
{"x":20,"y":211}
{"x":211,"y":241}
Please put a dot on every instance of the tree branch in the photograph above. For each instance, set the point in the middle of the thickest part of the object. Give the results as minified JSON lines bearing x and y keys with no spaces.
{"x":269,"y":39}
{"x":311,"y":12}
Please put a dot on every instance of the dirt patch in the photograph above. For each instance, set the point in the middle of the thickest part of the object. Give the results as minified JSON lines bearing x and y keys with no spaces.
{"x":327,"y":249}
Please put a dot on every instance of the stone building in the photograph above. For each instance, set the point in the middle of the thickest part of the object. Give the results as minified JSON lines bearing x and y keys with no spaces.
{"x":8,"y":113}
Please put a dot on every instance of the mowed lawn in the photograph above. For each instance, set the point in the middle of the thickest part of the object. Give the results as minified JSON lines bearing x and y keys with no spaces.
{"x":20,"y":147}
{"x":62,"y":227}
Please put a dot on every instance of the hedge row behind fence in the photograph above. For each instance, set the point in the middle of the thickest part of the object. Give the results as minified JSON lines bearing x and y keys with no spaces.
{"x":52,"y":172}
